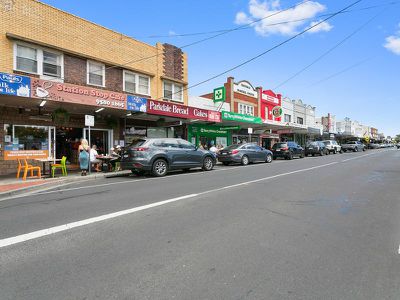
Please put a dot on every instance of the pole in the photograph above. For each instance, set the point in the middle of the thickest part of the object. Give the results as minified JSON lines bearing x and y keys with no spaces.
{"x":90,"y":167}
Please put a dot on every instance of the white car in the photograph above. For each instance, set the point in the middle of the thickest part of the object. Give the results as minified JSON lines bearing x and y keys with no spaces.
{"x":333,"y":146}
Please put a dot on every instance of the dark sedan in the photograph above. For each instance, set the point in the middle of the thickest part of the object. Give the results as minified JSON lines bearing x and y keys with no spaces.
{"x":244,"y":154}
{"x":287,"y":150}
{"x":316,"y":148}
{"x":158,"y":156}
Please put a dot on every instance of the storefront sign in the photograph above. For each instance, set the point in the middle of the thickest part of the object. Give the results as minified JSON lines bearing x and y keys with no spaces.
{"x":284,"y":131}
{"x":269,"y":98}
{"x":15,"y":85}
{"x":28,"y":154}
{"x":69,"y":93}
{"x":135,"y":103}
{"x":219,"y":94}
{"x":244,"y":87}
{"x":181,"y":111}
{"x":277,"y":111}
{"x":212,"y":130}
{"x":230,"y":128}
{"x":230,"y":116}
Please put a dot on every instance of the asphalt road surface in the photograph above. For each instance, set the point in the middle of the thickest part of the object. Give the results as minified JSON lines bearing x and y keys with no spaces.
{"x":313,"y":228}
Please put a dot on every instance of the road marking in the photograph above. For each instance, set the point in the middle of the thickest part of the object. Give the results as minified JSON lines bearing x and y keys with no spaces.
{"x":44,"y":232}
{"x":360,"y":156}
{"x":40,"y":233}
{"x":398,"y":250}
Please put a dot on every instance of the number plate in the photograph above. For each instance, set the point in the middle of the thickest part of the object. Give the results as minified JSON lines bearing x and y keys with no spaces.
{"x":278,"y":150}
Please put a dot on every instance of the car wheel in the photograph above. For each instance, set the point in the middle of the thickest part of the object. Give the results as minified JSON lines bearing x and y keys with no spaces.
{"x":341,"y":151}
{"x":269,"y":158}
{"x":208,"y":164}
{"x":334,"y":151}
{"x":302,"y":154}
{"x":321,"y":153}
{"x":363,"y":149}
{"x":355,"y":149}
{"x":225,"y":163}
{"x":290,"y":156}
{"x":245,"y":160}
{"x":160,"y":168}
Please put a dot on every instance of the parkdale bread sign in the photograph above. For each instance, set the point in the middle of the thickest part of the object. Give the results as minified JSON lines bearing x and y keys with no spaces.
{"x":70,"y":93}
{"x":181,"y":111}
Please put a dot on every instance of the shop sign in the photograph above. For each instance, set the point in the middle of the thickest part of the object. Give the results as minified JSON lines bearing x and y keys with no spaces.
{"x":270,"y":135}
{"x":244,"y":87}
{"x":89,"y":120}
{"x":230,"y":116}
{"x":69,"y":93}
{"x":230,"y":128}
{"x":135,"y":103}
{"x":15,"y":85}
{"x":269,"y":98}
{"x":250,"y":130}
{"x":28,"y":154}
{"x":284,"y":131}
{"x":277,"y":111}
{"x":212,"y":130}
{"x":219,"y":94}
{"x":181,"y":111}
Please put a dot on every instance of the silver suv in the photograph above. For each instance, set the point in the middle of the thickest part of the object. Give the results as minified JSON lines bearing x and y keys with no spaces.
{"x":333,"y":146}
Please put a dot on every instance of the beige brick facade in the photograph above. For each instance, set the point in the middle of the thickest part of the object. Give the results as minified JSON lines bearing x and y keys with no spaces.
{"x":39,"y":23}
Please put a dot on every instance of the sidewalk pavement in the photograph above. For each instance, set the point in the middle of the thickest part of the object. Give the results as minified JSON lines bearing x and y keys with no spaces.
{"x":10,"y":186}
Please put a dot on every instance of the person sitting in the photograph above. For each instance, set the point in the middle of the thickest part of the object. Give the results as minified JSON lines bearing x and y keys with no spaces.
{"x":116,"y":156}
{"x":93,"y":158}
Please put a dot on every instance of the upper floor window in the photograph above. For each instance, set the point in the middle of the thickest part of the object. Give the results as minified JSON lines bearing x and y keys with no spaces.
{"x":288,"y":118}
{"x":31,"y":59}
{"x":300,"y":120}
{"x":136,"y":84}
{"x":245,"y":109}
{"x":173,"y":91}
{"x":96,"y":73}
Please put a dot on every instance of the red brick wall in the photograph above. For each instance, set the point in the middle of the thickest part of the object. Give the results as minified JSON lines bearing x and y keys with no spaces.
{"x":74,"y":70}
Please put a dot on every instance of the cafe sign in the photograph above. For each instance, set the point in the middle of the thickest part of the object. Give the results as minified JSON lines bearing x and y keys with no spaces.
{"x":181,"y":111}
{"x":244,"y":87}
{"x":15,"y":85}
{"x":230,"y":116}
{"x":70,"y":93}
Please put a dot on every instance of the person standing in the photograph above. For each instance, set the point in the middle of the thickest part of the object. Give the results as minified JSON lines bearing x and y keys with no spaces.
{"x":84,"y":156}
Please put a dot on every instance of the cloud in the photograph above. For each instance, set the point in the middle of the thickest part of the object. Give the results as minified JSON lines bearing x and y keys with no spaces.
{"x":264,"y":9}
{"x":393,"y":43}
{"x":324,"y":26}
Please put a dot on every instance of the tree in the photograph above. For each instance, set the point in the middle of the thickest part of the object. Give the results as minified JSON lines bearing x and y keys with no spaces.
{"x":397,"y":138}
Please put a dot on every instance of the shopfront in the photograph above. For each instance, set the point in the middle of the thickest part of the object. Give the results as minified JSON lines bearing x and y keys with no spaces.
{"x":246,"y":133}
{"x":208,"y":135}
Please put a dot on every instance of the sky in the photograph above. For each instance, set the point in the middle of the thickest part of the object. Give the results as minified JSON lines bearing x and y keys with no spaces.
{"x":347,"y":66}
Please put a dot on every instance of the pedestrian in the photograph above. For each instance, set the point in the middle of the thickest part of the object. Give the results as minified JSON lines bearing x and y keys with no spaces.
{"x":84,"y":156}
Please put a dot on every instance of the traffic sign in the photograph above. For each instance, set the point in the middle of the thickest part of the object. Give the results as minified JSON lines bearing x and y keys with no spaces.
{"x":219,"y":94}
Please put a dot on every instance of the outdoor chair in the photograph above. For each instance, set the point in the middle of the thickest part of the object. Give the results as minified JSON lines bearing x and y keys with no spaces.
{"x":27,"y":167}
{"x":62,"y":165}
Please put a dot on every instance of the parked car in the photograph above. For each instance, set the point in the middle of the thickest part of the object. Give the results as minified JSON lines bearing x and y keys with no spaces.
{"x":160,"y":155}
{"x":373,"y":146}
{"x":353,"y":146}
{"x":333,"y":146}
{"x":244,"y":154}
{"x":287,"y":150}
{"x":317,"y":147}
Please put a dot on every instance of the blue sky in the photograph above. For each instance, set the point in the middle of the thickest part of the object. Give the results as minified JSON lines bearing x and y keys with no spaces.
{"x":368,"y":91}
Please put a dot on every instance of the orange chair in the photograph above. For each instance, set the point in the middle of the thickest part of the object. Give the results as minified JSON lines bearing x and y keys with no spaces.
{"x":19,"y":168}
{"x":31,"y":168}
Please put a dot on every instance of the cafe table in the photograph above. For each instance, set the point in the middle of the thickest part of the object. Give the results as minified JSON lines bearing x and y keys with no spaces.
{"x":49,"y":161}
{"x":105,"y":160}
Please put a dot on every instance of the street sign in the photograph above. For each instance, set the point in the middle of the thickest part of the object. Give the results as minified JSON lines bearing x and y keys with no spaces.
{"x":219,"y":94}
{"x":250,"y":130}
{"x":367,"y":139}
{"x":89,"y":120}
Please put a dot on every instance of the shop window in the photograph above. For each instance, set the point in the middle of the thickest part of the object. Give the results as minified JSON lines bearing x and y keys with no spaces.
{"x":21,"y":137}
{"x":245,"y":109}
{"x":173,"y":91}
{"x":300,"y":120}
{"x":96,"y":73}
{"x":44,"y":62}
{"x":136,"y":84}
{"x":288,"y":118}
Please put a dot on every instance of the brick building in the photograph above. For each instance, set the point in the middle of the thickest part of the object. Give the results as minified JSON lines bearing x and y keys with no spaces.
{"x":56,"y":67}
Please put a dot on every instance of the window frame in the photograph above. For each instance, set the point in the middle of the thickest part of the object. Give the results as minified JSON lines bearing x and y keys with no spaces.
{"x":103,"y":66}
{"x":289,"y":117}
{"x":39,"y":60}
{"x":137,"y":75}
{"x":246,"y":109}
{"x":174,"y":85}
{"x":302,"y":120}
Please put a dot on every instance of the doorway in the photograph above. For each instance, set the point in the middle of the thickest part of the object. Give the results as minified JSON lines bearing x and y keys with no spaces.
{"x":102,"y":138}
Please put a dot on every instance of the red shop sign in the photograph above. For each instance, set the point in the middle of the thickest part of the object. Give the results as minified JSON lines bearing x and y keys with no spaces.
{"x":70,"y":93}
{"x":181,"y":111}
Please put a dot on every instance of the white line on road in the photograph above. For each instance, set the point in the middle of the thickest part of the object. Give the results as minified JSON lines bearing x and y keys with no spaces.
{"x":398,"y":251}
{"x":44,"y":232}
{"x":361,"y":156}
{"x":40,"y":233}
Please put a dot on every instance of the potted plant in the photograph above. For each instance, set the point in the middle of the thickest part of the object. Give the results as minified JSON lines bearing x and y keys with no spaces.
{"x":60,"y":116}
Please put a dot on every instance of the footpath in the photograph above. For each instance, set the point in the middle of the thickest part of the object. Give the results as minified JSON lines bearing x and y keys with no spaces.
{"x":10,"y":186}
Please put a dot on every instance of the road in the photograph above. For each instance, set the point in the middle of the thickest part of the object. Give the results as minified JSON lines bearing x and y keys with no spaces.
{"x":313,"y":228}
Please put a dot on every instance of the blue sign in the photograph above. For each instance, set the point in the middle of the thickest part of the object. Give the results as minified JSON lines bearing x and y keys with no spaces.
{"x":135,"y":103}
{"x":15,"y":85}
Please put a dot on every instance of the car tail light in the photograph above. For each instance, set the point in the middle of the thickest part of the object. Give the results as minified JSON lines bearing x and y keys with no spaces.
{"x":236,"y":151}
{"x":141,"y":149}
{"x":284,"y":149}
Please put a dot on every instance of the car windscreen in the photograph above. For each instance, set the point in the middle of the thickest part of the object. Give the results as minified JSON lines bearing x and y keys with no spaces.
{"x":313,"y":144}
{"x":231,"y":147}
{"x":326,"y":142}
{"x":279,"y":145}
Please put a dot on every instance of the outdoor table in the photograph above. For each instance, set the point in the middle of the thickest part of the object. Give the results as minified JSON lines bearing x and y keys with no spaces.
{"x":48,"y":160}
{"x":105,"y":160}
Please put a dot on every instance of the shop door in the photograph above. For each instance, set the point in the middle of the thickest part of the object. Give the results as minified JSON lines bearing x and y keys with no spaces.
{"x":102,"y":138}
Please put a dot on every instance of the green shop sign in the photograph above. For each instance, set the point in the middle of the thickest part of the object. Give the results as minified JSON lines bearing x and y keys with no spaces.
{"x":229,"y":116}
{"x":209,"y":130}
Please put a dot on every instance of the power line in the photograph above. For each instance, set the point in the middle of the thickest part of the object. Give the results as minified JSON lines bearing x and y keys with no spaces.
{"x":341,"y":72}
{"x":329,"y":50}
{"x":270,"y":49}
